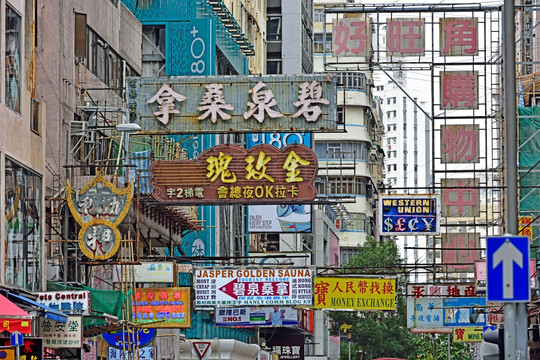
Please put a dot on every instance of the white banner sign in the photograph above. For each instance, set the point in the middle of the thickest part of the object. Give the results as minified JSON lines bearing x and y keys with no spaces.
{"x":61,"y":335}
{"x":68,"y":302}
{"x":150,"y":272}
{"x":145,"y":353}
{"x":262,"y":286}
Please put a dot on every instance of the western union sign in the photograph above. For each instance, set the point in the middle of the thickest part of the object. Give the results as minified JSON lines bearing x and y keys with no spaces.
{"x":354,"y":293}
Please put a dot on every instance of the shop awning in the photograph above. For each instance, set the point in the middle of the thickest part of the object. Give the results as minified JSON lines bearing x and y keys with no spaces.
{"x":13,"y":318}
{"x":50,"y":313}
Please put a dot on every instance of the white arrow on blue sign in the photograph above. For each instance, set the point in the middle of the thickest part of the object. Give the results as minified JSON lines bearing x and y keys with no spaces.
{"x":16,"y":339}
{"x":508,"y":269}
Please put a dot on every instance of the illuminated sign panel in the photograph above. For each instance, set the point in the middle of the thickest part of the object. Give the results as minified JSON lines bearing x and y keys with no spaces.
{"x":233,"y":175}
{"x":409,"y":214}
{"x":233,"y":103}
{"x":162,"y":307}
{"x":253,"y":286}
{"x":354,"y":293}
{"x":256,"y":316}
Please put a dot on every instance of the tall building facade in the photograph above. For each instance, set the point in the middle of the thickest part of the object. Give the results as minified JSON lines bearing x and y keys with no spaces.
{"x":408,"y":150}
{"x":350,"y":163}
{"x":22,"y":148}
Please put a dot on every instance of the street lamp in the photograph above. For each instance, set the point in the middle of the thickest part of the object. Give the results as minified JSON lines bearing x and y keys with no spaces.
{"x":349,"y":335}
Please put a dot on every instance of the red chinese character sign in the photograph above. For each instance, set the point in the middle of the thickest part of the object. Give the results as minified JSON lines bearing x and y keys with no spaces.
{"x":460,"y":251}
{"x":459,"y":144}
{"x":405,"y":37}
{"x":351,"y":37}
{"x":459,"y":36}
{"x":461,"y":197}
{"x":230,"y":174}
{"x":99,"y":207}
{"x":459,"y":90}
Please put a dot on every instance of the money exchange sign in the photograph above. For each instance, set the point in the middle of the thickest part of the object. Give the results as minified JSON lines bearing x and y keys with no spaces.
{"x":243,"y":286}
{"x":355,"y":293}
{"x":233,"y":175}
{"x":409,"y":214}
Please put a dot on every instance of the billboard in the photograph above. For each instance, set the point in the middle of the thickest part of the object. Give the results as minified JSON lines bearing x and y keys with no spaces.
{"x":354,"y":293}
{"x":230,"y":174}
{"x":290,"y":218}
{"x":287,"y":345}
{"x":162,"y":307}
{"x":409,"y":214}
{"x":252,"y":286}
{"x":256,"y":316}
{"x":247,"y":103}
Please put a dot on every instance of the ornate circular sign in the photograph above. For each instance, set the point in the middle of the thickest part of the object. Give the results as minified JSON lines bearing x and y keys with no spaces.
{"x":99,"y":239}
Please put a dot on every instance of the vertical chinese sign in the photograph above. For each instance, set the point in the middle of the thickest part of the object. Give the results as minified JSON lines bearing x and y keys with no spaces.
{"x":99,"y":207}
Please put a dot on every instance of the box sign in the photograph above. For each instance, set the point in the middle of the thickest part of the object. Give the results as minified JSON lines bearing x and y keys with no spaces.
{"x":287,"y":345}
{"x":165,"y":307}
{"x":57,"y":335}
{"x":150,"y":272}
{"x":446,"y":312}
{"x":225,"y":103}
{"x":256,"y":316}
{"x":253,"y":286}
{"x":468,"y":334}
{"x":68,"y":302}
{"x":409,"y":214}
{"x":354,"y":293}
{"x":431,"y":290}
{"x":230,"y":174}
{"x":130,"y":338}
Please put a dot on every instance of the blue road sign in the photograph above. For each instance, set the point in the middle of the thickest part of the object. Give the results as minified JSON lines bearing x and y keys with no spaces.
{"x":16,"y":339}
{"x":508,"y":269}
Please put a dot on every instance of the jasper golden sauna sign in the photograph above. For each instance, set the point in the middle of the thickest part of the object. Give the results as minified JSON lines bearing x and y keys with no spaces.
{"x":226,"y":174}
{"x":99,"y":207}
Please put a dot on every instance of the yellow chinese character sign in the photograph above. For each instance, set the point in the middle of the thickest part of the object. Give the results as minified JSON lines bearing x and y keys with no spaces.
{"x":468,"y":334}
{"x":354,"y":293}
{"x":227,"y":174}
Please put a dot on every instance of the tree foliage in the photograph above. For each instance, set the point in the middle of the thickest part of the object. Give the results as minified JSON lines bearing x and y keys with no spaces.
{"x":377,"y":334}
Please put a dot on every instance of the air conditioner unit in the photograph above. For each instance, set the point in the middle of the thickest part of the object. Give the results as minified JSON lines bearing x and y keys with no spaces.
{"x":369,"y":82}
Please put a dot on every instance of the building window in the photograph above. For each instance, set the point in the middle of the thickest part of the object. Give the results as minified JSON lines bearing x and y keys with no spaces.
{"x":13,"y":60}
{"x":273,"y":67}
{"x":23,"y":241}
{"x":34,"y":116}
{"x":391,"y":100}
{"x":318,"y":43}
{"x":80,"y":35}
{"x":318,"y":16}
{"x":273,"y":27}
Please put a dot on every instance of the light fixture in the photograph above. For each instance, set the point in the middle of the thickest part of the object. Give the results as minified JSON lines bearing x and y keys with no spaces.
{"x":128,"y":128}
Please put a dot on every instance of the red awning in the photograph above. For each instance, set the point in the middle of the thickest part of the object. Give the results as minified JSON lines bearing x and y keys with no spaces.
{"x":13,"y":318}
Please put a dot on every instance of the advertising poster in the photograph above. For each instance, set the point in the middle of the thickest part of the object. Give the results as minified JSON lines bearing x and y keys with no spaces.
{"x":354,"y":293}
{"x":253,"y":286}
{"x":256,"y":316}
{"x":165,"y":307}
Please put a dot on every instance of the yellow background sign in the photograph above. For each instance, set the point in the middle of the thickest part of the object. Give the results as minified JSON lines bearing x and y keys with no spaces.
{"x":354,"y":293}
{"x":525,"y":229}
{"x":468,"y":334}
